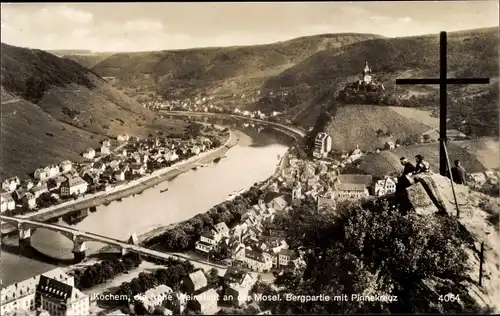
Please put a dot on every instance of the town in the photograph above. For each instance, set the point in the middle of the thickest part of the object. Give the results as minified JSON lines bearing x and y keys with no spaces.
{"x":204,"y":105}
{"x":110,"y":167}
{"x":249,"y":159}
{"x":250,"y":248}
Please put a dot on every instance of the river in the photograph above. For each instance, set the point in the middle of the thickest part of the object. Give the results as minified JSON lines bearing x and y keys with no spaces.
{"x":253,"y":159}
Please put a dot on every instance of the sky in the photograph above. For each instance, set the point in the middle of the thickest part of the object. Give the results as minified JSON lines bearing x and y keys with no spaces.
{"x":125,"y":27}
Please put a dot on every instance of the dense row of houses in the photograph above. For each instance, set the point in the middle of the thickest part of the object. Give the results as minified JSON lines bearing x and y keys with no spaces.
{"x":247,"y":241}
{"x":232,"y":288}
{"x":204,"y":104}
{"x":132,"y":159}
{"x":321,"y":181}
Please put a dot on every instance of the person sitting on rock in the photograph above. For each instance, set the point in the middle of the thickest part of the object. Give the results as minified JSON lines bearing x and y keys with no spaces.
{"x":422,"y":165}
{"x":409,"y":168}
{"x":404,"y":180}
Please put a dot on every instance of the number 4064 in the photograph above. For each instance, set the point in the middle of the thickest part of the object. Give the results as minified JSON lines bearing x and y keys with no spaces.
{"x":449,"y":298}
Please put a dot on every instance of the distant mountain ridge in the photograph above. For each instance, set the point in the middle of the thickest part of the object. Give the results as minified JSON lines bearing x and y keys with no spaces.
{"x":62,"y":52}
{"x":219,"y":71}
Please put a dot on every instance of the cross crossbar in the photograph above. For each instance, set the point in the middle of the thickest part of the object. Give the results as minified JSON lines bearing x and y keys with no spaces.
{"x":443,"y":81}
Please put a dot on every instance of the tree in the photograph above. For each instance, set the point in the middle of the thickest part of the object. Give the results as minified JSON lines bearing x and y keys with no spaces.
{"x":192,"y":308}
{"x":139,"y":309}
{"x":213,"y":276}
{"x":371,"y":247}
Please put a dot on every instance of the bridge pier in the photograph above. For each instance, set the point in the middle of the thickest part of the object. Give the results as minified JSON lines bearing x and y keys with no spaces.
{"x":24,"y":237}
{"x":79,"y":250}
{"x":133,"y":240}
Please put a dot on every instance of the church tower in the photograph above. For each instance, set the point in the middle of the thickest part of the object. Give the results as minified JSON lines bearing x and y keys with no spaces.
{"x":367,"y":74}
{"x":296,"y":191}
{"x":296,"y":194}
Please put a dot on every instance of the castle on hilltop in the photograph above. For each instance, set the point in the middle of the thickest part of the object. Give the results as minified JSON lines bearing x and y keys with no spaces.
{"x":366,"y":78}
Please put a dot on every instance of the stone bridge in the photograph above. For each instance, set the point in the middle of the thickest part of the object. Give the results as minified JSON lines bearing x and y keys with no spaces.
{"x":26,"y":228}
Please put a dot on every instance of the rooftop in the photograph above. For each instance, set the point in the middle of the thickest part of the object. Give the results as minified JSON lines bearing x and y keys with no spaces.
{"x":235,"y":275}
{"x":355,"y":178}
{"x":350,"y":187}
{"x":154,"y":293}
{"x":198,"y":279}
{"x":254,"y":255}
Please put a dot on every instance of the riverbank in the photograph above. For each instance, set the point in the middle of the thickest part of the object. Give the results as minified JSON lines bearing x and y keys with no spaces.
{"x":148,"y":236}
{"x":253,"y":159}
{"x":133,"y":187}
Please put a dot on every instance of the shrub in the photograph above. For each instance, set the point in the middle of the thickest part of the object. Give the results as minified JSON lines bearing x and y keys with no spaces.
{"x":103,"y":271}
{"x":372,"y":248}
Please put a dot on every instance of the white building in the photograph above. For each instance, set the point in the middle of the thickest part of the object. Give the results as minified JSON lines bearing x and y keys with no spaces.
{"x":105,"y":150}
{"x":66,"y":166}
{"x":52,"y":171}
{"x":208,"y":242}
{"x":350,"y":191}
{"x":195,"y":150}
{"x":154,"y":297}
{"x":222,"y":229}
{"x":58,"y":298}
{"x":171,"y":156}
{"x":385,"y":186}
{"x":322,"y":145}
{"x":56,"y":294}
{"x":7,"y":202}
{"x":256,"y":261}
{"x":41,"y":174}
{"x":123,"y":138}
{"x":10,"y":184}
{"x":73,"y":185}
{"x":89,"y":153}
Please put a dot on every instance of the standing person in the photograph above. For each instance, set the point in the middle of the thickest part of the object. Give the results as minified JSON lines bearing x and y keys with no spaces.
{"x":422,"y":165}
{"x":458,"y":173}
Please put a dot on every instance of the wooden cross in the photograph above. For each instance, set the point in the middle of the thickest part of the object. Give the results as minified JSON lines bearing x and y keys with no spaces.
{"x":443,"y":81}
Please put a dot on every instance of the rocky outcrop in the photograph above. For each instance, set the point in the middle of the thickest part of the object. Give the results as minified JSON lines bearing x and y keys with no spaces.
{"x":433,"y":193}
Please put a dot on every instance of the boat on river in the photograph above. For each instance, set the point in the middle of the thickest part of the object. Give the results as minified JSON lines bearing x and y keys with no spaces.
{"x":234,"y":194}
{"x":164,"y":190}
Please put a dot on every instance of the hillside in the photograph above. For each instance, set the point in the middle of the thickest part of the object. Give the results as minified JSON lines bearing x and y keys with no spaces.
{"x":358,"y":124}
{"x":219,"y":71}
{"x":31,"y":137}
{"x":53,"y":93}
{"x":87,"y":60}
{"x":387,"y":161}
{"x":72,"y":93}
{"x":472,"y":53}
{"x":486,"y":150}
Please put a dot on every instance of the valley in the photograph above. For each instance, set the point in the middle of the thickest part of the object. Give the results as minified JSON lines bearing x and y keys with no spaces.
{"x":149,"y":180}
